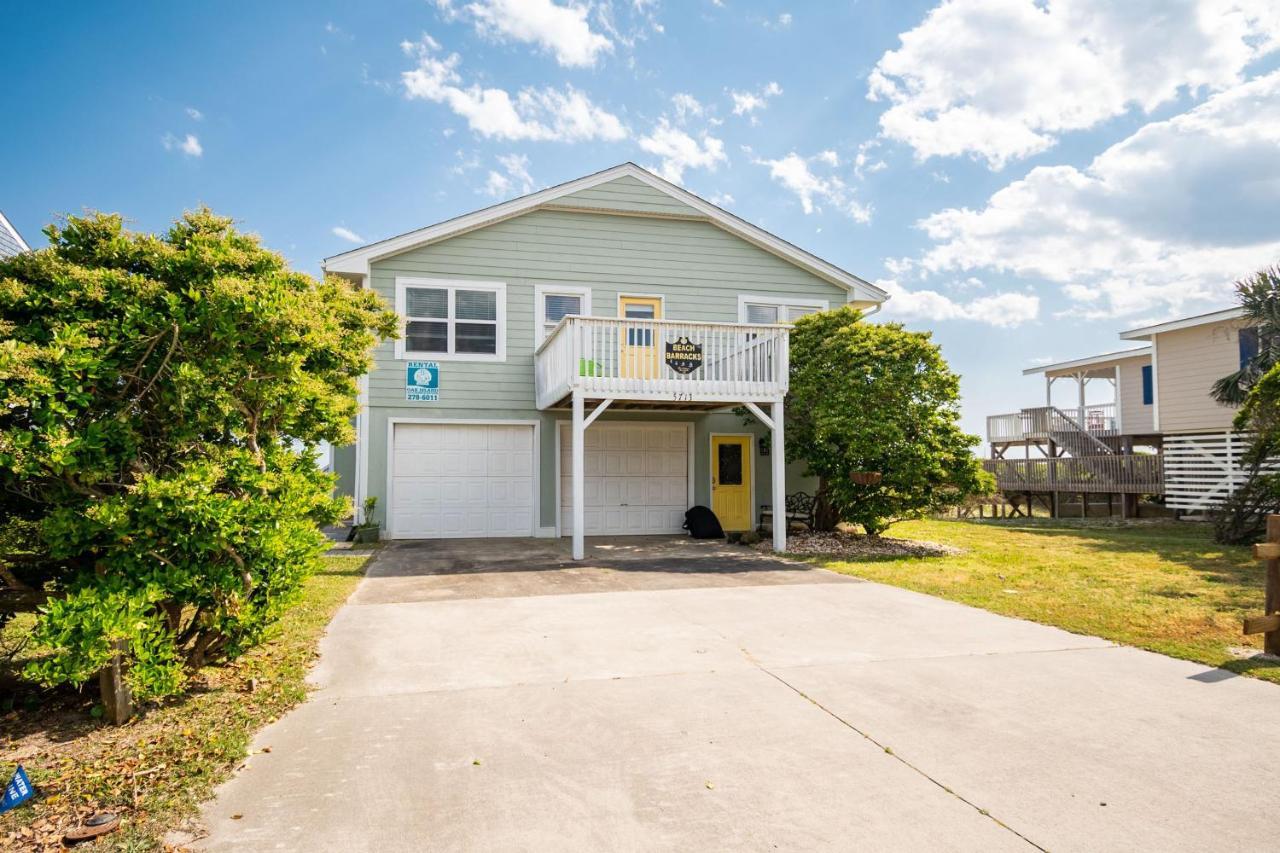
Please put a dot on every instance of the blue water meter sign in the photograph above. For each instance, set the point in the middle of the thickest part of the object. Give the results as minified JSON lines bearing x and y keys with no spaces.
{"x":422,"y":381}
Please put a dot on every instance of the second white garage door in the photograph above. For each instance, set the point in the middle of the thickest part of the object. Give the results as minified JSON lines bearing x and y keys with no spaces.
{"x":462,"y":480}
{"x":637,"y":478}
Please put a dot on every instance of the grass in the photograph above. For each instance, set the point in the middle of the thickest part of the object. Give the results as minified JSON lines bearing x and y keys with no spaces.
{"x":157,"y":769}
{"x":1166,"y":587}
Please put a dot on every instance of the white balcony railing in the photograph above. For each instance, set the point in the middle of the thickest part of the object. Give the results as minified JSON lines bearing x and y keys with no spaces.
{"x":1098,"y":419}
{"x":648,"y":360}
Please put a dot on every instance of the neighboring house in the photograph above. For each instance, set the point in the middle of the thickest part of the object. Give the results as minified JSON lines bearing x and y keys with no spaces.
{"x":570,"y":361}
{"x":1162,"y":433}
{"x":11,"y":242}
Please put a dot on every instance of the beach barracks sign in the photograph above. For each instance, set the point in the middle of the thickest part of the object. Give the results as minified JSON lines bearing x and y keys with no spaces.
{"x":683,"y":355}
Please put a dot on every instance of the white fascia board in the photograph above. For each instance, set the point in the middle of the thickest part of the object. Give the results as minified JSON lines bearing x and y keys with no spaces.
{"x":1146,"y":332}
{"x":1089,"y":361}
{"x":8,"y":226}
{"x":358,"y":260}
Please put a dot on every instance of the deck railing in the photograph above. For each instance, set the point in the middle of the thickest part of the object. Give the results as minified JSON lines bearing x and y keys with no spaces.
{"x":662,"y":360}
{"x":1134,"y":473}
{"x":1098,"y":419}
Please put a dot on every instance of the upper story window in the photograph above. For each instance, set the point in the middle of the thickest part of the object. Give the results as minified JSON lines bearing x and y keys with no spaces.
{"x":761,"y":309}
{"x":452,"y":320}
{"x":552,"y":303}
{"x":1148,"y":386}
{"x":1249,"y":346}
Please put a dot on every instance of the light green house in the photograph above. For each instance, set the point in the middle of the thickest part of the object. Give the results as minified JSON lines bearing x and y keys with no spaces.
{"x":618,"y":309}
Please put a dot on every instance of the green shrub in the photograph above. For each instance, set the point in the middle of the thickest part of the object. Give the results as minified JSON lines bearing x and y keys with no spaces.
{"x":163,"y":396}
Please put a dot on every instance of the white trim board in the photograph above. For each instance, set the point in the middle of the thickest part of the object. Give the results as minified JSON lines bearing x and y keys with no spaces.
{"x":357,"y":261}
{"x":1147,"y":332}
{"x":389,"y":493}
{"x":1090,"y":360}
{"x":13,"y":232}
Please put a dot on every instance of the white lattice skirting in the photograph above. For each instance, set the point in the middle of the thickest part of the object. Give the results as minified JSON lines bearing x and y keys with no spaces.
{"x":1202,"y":471}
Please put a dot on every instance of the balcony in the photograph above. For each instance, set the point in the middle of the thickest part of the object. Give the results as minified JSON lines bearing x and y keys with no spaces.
{"x":1128,"y":473}
{"x":661,"y":363}
{"x":1043,"y":422}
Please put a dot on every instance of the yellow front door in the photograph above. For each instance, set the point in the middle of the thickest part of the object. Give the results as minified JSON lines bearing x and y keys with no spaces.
{"x":638,"y":354}
{"x":731,"y":480}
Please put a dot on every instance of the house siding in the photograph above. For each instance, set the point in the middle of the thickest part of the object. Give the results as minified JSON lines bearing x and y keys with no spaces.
{"x":1135,"y":417}
{"x":699,"y":269}
{"x":1190,"y":361}
{"x":627,"y":194}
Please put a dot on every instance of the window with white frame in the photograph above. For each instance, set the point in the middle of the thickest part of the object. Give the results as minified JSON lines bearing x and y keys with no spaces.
{"x":452,"y":320}
{"x":553,"y":303}
{"x":768,"y":310}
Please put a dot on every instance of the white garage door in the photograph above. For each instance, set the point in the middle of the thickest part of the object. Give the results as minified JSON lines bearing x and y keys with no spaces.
{"x":458,"y":481}
{"x":637,"y":478}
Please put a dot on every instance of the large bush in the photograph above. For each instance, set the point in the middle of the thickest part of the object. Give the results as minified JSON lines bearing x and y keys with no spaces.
{"x":161,"y":398}
{"x":875,"y":398}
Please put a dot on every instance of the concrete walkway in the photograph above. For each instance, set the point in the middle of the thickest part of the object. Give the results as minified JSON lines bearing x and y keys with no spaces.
{"x":671,"y":695}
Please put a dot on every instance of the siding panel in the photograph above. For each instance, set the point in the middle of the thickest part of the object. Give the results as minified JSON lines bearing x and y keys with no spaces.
{"x":627,"y":193}
{"x":1135,"y":418}
{"x":1190,"y":361}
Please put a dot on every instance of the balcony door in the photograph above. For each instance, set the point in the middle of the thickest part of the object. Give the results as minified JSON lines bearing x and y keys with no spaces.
{"x":638,"y":351}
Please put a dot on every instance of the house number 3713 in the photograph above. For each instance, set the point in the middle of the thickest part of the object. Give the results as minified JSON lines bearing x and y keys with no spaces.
{"x":683,"y":396}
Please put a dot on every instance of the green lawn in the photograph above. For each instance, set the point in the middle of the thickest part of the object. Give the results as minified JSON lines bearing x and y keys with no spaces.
{"x":157,"y":769}
{"x":1165,"y":587}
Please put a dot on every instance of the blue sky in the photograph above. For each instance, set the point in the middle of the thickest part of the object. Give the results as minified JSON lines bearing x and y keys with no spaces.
{"x":1027,"y":178}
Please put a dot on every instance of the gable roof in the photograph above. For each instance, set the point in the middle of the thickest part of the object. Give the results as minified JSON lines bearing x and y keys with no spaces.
{"x":11,"y":242}
{"x":1147,"y":332}
{"x":357,"y":261}
{"x":1094,"y":361}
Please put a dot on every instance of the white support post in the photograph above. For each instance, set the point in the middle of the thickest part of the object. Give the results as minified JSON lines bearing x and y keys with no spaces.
{"x":579,"y":472}
{"x":779,"y":456}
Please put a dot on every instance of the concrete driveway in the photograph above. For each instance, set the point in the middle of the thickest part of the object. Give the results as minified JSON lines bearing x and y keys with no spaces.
{"x":677,"y":695}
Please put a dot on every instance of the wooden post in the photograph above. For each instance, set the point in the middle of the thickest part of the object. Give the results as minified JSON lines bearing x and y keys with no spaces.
{"x":1271,"y":639}
{"x":117,"y":698}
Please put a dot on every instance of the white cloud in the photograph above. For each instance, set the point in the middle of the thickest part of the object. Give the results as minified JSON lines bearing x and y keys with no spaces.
{"x":347,"y":234}
{"x":686,"y":106}
{"x":560,"y":30}
{"x":745,"y":103}
{"x":864,"y":163}
{"x":680,"y":151}
{"x":813,"y":189}
{"x":721,"y":199}
{"x":188,"y":145}
{"x":195,"y":114}
{"x":565,"y":115}
{"x":1002,"y":79}
{"x":514,"y":177}
{"x":1165,"y":219}
{"x":1003,"y":310}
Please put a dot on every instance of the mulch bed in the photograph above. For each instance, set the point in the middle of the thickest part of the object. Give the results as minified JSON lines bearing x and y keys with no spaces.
{"x":841,"y":544}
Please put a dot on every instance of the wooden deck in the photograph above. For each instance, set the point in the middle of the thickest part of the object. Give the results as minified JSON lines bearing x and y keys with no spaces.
{"x":1140,"y":474}
{"x":661,"y":363}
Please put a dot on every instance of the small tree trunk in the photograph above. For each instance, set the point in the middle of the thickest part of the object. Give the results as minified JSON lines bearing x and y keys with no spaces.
{"x":117,"y":698}
{"x":825,"y":517}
